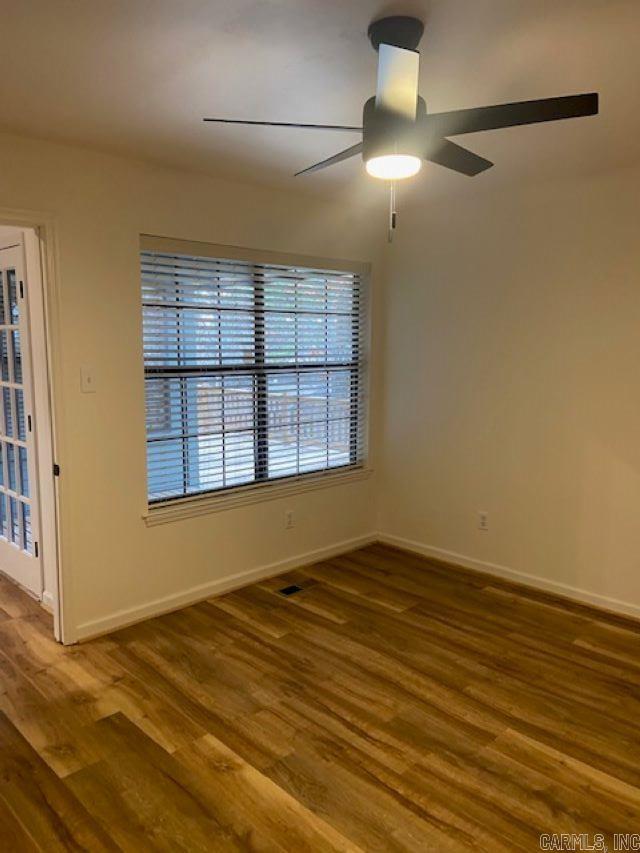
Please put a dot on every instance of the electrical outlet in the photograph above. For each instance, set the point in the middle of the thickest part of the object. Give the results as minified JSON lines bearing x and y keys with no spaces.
{"x":483,"y":520}
{"x":289,"y":519}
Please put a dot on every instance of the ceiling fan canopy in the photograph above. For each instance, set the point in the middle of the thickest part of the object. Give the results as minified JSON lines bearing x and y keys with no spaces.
{"x":397,"y":132}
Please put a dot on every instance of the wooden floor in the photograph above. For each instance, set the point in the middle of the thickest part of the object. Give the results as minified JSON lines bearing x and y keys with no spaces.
{"x":393,"y":704}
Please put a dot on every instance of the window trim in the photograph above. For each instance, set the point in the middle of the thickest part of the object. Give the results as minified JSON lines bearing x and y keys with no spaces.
{"x":172,"y":245}
{"x":186,"y":506}
{"x":206,"y":503}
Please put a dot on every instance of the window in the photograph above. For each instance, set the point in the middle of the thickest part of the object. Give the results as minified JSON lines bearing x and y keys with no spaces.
{"x":253,"y":372}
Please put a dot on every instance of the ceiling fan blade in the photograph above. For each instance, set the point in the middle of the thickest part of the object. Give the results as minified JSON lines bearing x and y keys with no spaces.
{"x":452,"y":156}
{"x":511,"y":115}
{"x":285,"y":124}
{"x":337,"y":158}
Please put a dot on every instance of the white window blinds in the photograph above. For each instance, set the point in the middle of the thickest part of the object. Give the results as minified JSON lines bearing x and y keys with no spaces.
{"x":253,"y":372}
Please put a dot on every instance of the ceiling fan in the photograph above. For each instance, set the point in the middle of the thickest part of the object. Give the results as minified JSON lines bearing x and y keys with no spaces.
{"x":398,"y":133}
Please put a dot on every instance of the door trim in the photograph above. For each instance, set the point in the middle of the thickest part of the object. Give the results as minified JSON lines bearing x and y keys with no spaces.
{"x":40,"y":241}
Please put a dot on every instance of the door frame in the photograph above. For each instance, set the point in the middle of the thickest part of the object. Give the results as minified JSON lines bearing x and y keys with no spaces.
{"x":41,"y":259}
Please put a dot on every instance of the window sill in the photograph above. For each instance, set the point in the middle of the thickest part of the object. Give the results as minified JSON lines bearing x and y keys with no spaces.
{"x":244,"y":495}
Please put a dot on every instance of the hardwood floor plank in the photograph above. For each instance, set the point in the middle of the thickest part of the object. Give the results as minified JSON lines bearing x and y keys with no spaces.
{"x":253,"y":804}
{"x":55,"y":818}
{"x":377,"y":815}
{"x":140,"y":790}
{"x":339,"y":574}
{"x":13,"y":835}
{"x":241,"y":605}
{"x":18,"y":605}
{"x":607,"y":793}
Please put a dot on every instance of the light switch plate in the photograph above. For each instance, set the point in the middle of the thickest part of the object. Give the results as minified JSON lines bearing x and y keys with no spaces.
{"x":87,"y":380}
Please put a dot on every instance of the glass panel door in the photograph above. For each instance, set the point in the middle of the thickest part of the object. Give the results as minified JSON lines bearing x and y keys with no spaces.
{"x":18,"y":545}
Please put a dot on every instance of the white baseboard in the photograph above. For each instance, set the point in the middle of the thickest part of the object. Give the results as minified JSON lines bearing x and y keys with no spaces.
{"x":582,"y":596}
{"x":47,"y":601}
{"x":158,"y":606}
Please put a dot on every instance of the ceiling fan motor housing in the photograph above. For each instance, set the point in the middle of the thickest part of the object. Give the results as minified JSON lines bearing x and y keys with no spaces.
{"x":385,"y":132}
{"x":398,"y":30}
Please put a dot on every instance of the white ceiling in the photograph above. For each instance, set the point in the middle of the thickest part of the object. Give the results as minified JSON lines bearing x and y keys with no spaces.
{"x":136,"y":76}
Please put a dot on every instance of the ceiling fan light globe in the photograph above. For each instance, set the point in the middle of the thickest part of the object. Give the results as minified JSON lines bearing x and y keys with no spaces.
{"x":393,"y":167}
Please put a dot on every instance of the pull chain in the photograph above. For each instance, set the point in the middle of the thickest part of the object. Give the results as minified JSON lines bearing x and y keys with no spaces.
{"x":392,"y":210}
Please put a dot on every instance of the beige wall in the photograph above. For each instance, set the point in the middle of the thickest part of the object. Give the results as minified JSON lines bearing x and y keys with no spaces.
{"x":114,"y":565}
{"x":512,"y":364}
